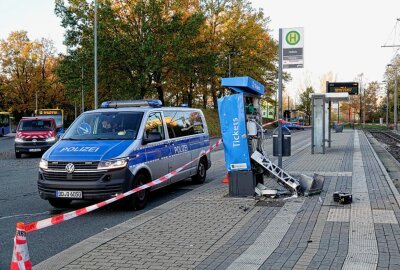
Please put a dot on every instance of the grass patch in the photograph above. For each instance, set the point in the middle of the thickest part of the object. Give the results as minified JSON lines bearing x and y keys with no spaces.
{"x":212,"y":119}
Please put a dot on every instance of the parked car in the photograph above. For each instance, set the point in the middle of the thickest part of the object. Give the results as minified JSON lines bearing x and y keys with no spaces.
{"x":291,"y":125}
{"x":34,"y":135}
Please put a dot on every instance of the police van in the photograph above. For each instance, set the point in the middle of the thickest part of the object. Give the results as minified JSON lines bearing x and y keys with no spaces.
{"x":120,"y":146}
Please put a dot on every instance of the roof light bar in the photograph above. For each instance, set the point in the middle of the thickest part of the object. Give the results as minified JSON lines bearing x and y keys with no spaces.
{"x":131,"y":103}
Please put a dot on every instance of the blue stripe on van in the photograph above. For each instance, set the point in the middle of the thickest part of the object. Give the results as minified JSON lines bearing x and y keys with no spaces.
{"x":148,"y":154}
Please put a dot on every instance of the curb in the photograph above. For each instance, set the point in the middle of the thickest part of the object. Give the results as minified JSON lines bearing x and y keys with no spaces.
{"x":385,"y":173}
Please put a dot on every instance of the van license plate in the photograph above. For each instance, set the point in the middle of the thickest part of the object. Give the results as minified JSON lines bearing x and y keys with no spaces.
{"x":69,"y":194}
{"x":34,"y":150}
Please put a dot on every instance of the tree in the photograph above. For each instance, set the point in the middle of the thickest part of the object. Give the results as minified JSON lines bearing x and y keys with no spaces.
{"x":174,"y":50}
{"x":305,"y":102}
{"x":140,"y":43}
{"x":372,"y":113}
{"x":27,"y":71}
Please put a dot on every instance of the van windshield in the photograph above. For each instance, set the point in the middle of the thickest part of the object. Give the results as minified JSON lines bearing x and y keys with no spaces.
{"x":105,"y":126}
{"x":35,"y":125}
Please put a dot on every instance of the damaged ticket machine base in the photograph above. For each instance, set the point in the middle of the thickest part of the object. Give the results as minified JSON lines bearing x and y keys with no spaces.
{"x":304,"y":185}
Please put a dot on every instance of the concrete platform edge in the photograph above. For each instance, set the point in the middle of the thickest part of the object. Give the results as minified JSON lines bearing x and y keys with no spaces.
{"x":385,"y":173}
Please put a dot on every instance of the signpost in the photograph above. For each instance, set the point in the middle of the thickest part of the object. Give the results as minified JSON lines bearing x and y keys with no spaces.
{"x":291,"y":43}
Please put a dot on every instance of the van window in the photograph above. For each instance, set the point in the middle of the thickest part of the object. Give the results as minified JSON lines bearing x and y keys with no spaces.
{"x":154,"y":125}
{"x":105,"y":126}
{"x":35,"y":125}
{"x":181,"y":124}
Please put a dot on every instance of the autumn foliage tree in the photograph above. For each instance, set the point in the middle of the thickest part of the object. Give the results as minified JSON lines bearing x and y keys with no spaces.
{"x":27,"y":70}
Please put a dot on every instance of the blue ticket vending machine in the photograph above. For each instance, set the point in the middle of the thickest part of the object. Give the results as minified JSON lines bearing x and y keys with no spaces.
{"x":234,"y":112}
{"x":234,"y":134}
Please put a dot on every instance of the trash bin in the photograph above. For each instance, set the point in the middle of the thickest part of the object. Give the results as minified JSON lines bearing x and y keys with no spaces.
{"x":286,"y":142}
{"x":339,"y":128}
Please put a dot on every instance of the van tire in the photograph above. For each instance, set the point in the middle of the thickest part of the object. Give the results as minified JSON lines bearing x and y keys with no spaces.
{"x":201,"y":174}
{"x":138,"y":200}
{"x":58,"y":203}
{"x":17,"y":155}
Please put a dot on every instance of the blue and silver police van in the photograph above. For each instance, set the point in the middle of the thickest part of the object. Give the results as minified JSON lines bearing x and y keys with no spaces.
{"x":120,"y":146}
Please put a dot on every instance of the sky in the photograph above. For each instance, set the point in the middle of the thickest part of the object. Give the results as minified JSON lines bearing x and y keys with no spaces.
{"x":344,"y":37}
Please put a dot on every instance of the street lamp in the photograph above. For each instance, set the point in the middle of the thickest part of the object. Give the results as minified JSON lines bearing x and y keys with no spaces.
{"x":387,"y":101}
{"x":95,"y":54}
{"x":361,"y":95}
{"x":395,"y":96}
{"x":36,"y":99}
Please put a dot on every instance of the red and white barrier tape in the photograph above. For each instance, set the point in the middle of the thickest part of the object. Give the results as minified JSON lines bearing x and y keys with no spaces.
{"x":283,"y":122}
{"x":37,"y":225}
{"x":269,"y":123}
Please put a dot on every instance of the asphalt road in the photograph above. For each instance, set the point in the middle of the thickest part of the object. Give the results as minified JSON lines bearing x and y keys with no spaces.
{"x":20,"y":202}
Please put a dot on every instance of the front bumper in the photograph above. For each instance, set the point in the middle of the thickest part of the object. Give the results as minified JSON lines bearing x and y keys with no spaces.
{"x":32,"y":147}
{"x":94,"y":184}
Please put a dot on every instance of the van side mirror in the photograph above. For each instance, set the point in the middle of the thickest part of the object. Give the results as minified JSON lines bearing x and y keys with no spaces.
{"x":152,"y":137}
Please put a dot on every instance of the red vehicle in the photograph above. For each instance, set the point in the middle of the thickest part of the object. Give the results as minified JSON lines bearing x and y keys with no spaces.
{"x":34,"y":135}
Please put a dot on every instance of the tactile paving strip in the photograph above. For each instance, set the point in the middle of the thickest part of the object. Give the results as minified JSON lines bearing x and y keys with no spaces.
{"x":339,"y":215}
{"x":384,"y":216}
{"x":363,"y":247}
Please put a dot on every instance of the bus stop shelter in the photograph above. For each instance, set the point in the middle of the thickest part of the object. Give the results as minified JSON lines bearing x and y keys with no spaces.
{"x":321,"y":115}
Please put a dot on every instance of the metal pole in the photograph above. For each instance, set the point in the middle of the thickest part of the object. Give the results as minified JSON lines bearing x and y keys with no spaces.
{"x":75,"y":109}
{"x":280,"y":101}
{"x":387,"y":103}
{"x":395,"y":98}
{"x":229,"y":64}
{"x":36,"y":99}
{"x":364,"y":108}
{"x":95,"y":54}
{"x":83,"y":99}
{"x":359,"y":121}
{"x":329,"y":125}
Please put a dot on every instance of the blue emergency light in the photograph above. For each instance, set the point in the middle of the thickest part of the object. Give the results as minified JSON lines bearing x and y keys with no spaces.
{"x":131,"y":103}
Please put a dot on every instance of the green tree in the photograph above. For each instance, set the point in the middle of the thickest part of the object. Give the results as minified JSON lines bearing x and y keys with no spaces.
{"x":305,"y":102}
{"x":140,"y":44}
{"x":174,"y":50}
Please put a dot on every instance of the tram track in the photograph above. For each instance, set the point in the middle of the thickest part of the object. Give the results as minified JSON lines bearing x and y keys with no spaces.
{"x":390,"y":141}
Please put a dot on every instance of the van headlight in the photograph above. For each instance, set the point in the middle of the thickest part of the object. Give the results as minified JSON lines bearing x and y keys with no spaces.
{"x":44,"y":164}
{"x":51,"y":139}
{"x":112,"y":164}
{"x":19,"y":140}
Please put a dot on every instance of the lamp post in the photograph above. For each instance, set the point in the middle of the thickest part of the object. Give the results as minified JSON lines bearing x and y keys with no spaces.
{"x":395,"y":96}
{"x":36,"y":101}
{"x":95,"y":54}
{"x":361,"y":93}
{"x":387,"y":102}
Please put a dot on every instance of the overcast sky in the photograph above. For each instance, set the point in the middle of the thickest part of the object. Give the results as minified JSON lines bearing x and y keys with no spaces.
{"x":342,"y":36}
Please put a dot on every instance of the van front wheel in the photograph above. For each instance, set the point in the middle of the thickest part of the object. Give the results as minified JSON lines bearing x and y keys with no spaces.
{"x":201,"y":174}
{"x":138,"y":200}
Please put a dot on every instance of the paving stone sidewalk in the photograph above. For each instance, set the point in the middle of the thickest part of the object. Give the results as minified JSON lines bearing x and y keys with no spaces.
{"x":206,"y":229}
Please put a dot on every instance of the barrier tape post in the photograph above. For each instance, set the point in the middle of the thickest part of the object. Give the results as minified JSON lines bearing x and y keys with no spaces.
{"x":20,"y":258}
